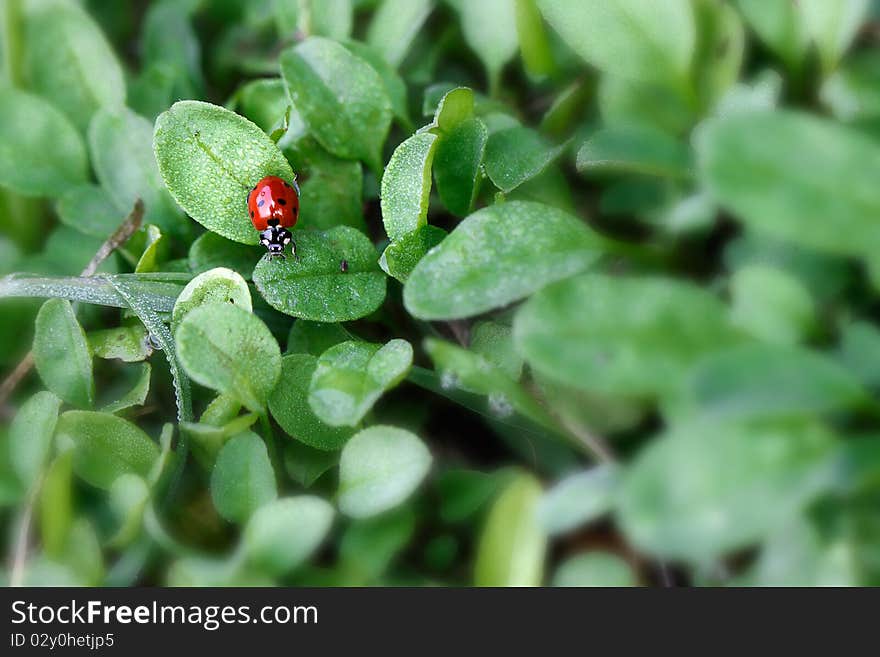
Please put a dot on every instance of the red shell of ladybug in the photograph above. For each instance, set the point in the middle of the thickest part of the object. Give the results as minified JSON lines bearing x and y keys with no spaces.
{"x":273,"y":201}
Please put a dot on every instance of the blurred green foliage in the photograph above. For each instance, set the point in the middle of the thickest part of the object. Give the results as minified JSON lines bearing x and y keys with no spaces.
{"x":585,"y":295}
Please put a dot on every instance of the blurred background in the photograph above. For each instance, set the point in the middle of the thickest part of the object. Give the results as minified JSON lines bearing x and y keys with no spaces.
{"x":699,"y":408}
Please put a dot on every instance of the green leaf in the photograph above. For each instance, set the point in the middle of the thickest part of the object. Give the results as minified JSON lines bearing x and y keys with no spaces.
{"x":210,"y":434}
{"x":771,"y":305}
{"x":242,"y":480}
{"x":494,"y":342}
{"x":578,"y":499}
{"x":129,"y":496}
{"x":733,"y":485}
{"x":757,"y":380}
{"x":534,"y":45}
{"x":315,"y":338}
{"x":631,"y":336}
{"x":516,"y":155}
{"x":121,"y":146}
{"x":638,"y":39}
{"x":395,"y":25}
{"x":69,"y":62}
{"x":229,"y":350}
{"x":780,"y":26}
{"x":379,"y":469}
{"x":635,"y":150}
{"x":56,"y":504}
{"x":265,"y":102}
{"x":136,"y":396}
{"x":105,"y":447}
{"x":795,"y":177}
{"x":315,"y":287}
{"x":351,"y":377}
{"x":400,"y":258}
{"x":496,"y":256}
{"x":211,"y":250}
{"x":42,"y":154}
{"x":289,"y":403}
{"x":329,"y":18}
{"x":130,"y":344}
{"x":30,"y":435}
{"x":195,"y":142}
{"x":370,"y":545}
{"x":340,"y":97}
{"x":61,"y":354}
{"x":457,"y":164}
{"x":394,"y":84}
{"x":90,"y":210}
{"x":489,"y":29}
{"x":406,"y":185}
{"x":283,"y":534}
{"x":219,"y":285}
{"x":594,"y":569}
{"x":512,"y":546}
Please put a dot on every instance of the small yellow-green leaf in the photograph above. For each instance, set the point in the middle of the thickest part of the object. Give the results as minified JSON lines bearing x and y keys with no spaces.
{"x":406,"y":185}
{"x":351,"y":377}
{"x":379,"y":469}
{"x":61,"y":354}
{"x":400,"y":258}
{"x":335,"y":278}
{"x":512,"y":545}
{"x":230,"y":350}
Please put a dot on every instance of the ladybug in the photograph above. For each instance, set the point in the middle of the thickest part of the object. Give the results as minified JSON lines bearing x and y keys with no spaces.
{"x":273,"y":206}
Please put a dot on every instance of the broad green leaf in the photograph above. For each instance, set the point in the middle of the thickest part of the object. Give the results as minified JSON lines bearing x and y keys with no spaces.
{"x":516,"y":155}
{"x":496,"y":256}
{"x":639,"y":39}
{"x":30,"y":435}
{"x":105,"y":446}
{"x":394,"y":84}
{"x":197,"y":142}
{"x":90,"y":210}
{"x":512,"y":545}
{"x":61,"y":354}
{"x":283,"y":534}
{"x":780,"y":26}
{"x":630,"y":336}
{"x":56,"y":504}
{"x":137,"y":395}
{"x":121,"y":147}
{"x":578,"y":499}
{"x":242,"y":480}
{"x":219,"y":285}
{"x":211,"y":250}
{"x":795,"y":177}
{"x":771,"y":304}
{"x":315,"y":338}
{"x":289,"y":403}
{"x":305,"y":464}
{"x":400,"y":258}
{"x":489,"y":28}
{"x":757,"y":380}
{"x":594,"y":569}
{"x":833,"y":26}
{"x":340,"y":97}
{"x":395,"y":25}
{"x":226,"y":348}
{"x":457,"y":164}
{"x":534,"y":45}
{"x":635,"y":150}
{"x":265,"y":102}
{"x":406,"y":185}
{"x":169,"y":43}
{"x":454,"y":107}
{"x":70,"y":63}
{"x":379,"y":469}
{"x":334,"y":279}
{"x":351,"y":377}
{"x":704,"y":490}
{"x":494,"y":342}
{"x":130,"y":344}
{"x":42,"y":154}
{"x":328,"y":18}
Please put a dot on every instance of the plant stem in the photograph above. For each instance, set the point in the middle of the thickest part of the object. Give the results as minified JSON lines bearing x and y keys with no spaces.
{"x":12,"y":30}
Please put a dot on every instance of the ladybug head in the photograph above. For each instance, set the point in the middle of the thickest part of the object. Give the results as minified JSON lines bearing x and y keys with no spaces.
{"x":275,"y":238}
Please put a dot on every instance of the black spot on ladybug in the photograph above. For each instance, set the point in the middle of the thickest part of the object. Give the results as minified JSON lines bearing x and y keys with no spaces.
{"x":343,"y":266}
{"x":287,"y":185}
{"x":252,"y":214}
{"x":281,"y":201}
{"x":295,"y":211}
{"x":261,"y":203}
